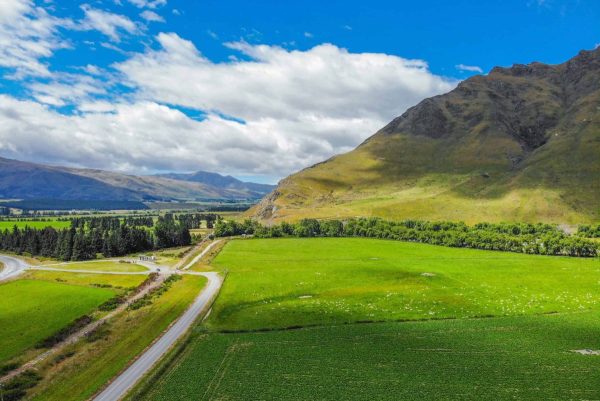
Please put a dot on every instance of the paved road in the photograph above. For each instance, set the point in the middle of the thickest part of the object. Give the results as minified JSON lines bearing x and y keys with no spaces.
{"x":201,"y":254}
{"x":126,"y":380}
{"x":12,"y":267}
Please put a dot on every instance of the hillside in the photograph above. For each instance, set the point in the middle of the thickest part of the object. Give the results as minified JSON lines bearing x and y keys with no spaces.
{"x":519,"y":144}
{"x":23,"y":180}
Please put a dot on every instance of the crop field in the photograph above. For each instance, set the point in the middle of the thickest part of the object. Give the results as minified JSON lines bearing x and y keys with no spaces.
{"x":362,"y":319}
{"x":101,"y":266}
{"x":524,"y":358}
{"x":32,"y":310}
{"x":276,"y":283}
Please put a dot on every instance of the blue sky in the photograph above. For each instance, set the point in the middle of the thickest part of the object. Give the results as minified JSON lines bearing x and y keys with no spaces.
{"x":255,"y":89}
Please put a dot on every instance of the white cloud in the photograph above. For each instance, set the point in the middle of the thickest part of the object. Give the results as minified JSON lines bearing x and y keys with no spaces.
{"x":148,"y":3}
{"x":276,"y":83}
{"x":143,"y":137}
{"x":308,"y":35}
{"x":470,"y":68}
{"x":112,"y":25}
{"x":28,"y":34}
{"x":151,"y":16}
{"x":66,"y":88}
{"x":92,"y":69}
{"x":297,"y":108}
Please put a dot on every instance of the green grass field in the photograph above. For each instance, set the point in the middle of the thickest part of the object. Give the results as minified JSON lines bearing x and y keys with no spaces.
{"x":121,"y":281}
{"x":34,"y":224}
{"x":288,"y":282}
{"x":436,"y":343}
{"x":102,"y":266}
{"x":32,"y":310}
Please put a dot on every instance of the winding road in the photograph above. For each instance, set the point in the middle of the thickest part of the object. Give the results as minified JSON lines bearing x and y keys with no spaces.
{"x":119,"y":387}
{"x":12,"y":267}
{"x":126,"y":380}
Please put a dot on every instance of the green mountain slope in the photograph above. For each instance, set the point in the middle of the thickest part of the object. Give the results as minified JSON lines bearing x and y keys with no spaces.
{"x":519,"y":144}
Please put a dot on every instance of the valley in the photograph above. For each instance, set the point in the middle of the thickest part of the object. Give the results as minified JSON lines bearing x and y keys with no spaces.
{"x":454,"y":254}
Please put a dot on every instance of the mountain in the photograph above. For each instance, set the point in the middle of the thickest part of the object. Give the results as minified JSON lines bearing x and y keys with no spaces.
{"x":519,"y":144}
{"x":24,"y":180}
{"x":221,"y":181}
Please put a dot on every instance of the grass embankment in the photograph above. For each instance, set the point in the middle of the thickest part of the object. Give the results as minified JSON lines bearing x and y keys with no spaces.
{"x":290,"y":282}
{"x":526,"y":355}
{"x":32,"y":310}
{"x":204,"y":264}
{"x":94,"y":363}
{"x":102,"y":266}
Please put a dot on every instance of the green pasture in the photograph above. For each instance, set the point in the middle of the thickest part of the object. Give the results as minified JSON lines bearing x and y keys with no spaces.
{"x":116,"y":281}
{"x":457,"y":324}
{"x":32,"y":310}
{"x":34,"y":224}
{"x":275,"y":283}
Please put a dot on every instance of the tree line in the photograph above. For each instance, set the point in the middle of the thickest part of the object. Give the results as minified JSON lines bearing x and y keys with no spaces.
{"x":589,"y":231}
{"x":541,"y":239}
{"x":194,"y":220}
{"x":86,"y":238}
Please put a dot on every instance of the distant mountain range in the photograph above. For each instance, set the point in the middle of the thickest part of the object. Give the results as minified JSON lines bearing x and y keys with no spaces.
{"x":519,"y":144}
{"x":24,"y":180}
{"x":220,"y":181}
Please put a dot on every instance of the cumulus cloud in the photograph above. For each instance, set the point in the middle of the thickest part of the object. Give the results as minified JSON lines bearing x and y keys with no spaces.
{"x":110,"y":24}
{"x":141,"y":136}
{"x":469,"y":68}
{"x":271,"y":111}
{"x":28,"y":35}
{"x":151,"y":16}
{"x":325,"y":81}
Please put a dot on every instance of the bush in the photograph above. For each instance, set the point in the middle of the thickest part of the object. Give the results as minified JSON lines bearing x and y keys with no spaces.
{"x":65,"y":332}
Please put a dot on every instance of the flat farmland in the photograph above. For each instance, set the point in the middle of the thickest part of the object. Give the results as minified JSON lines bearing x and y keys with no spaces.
{"x":361,"y":319}
{"x":116,"y":281}
{"x":9,"y":224}
{"x":522,"y":358}
{"x":276,"y":283}
{"x":32,"y":310}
